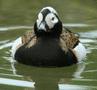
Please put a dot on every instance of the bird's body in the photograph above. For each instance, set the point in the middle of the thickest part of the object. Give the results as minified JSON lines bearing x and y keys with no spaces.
{"x":50,"y":45}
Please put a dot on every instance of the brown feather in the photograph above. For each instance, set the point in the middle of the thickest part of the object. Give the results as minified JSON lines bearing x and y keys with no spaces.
{"x":29,"y":38}
{"x":69,"y":39}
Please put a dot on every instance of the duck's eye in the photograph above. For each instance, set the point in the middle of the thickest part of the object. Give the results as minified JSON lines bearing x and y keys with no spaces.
{"x":53,"y":18}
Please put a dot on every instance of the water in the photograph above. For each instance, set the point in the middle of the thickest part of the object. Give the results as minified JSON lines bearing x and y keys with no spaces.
{"x":14,"y":21}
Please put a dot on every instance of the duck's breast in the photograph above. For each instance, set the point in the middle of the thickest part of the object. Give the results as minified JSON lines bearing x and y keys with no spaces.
{"x":43,"y":53}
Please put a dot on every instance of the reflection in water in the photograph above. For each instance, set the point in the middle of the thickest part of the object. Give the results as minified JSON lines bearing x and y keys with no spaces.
{"x":46,"y":78}
{"x":54,"y":78}
{"x":79,"y":70}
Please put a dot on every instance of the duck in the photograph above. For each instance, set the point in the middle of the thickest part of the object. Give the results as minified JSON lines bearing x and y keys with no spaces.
{"x":49,"y":43}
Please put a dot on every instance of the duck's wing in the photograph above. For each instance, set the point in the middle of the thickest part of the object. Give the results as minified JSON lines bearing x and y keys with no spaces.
{"x":69,"y":38}
{"x":71,"y":41}
{"x":29,"y":39}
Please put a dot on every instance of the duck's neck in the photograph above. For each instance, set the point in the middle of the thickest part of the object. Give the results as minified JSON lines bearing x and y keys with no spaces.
{"x":48,"y":38}
{"x":49,"y":35}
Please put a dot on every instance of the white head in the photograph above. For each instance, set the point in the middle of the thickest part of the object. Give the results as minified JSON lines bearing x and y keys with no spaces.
{"x":47,"y":20}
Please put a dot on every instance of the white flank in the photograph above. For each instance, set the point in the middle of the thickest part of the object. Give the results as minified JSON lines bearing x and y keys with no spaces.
{"x":80,"y":52}
{"x":16,"y":45}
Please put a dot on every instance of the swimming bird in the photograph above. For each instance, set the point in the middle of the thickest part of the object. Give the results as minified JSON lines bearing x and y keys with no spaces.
{"x":49,"y":44}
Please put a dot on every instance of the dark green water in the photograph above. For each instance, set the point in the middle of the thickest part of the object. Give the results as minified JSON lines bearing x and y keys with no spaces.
{"x":18,"y":16}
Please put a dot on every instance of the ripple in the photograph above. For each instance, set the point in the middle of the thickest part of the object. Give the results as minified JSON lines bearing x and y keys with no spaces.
{"x":88,"y":40}
{"x":77,"y":25}
{"x":15,"y":27}
{"x":75,"y":87}
{"x":78,"y":79}
{"x":10,"y":75}
{"x":4,"y":41}
{"x":14,"y":82}
{"x":6,"y":45}
{"x":91,"y":71}
{"x":90,"y":34}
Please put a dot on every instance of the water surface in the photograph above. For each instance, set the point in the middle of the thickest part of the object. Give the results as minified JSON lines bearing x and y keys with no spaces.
{"x":17,"y":17}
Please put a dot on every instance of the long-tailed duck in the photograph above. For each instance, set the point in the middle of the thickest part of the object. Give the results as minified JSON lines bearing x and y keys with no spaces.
{"x":49,"y":43}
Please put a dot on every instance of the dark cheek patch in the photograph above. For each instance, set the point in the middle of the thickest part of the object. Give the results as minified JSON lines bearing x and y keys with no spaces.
{"x":44,"y":13}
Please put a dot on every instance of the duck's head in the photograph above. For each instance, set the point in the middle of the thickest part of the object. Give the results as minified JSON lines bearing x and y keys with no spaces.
{"x":48,"y":23}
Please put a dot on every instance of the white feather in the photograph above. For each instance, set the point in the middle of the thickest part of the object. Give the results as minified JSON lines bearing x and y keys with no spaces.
{"x":15,"y":46}
{"x":51,"y":9}
{"x":80,"y":52}
{"x":51,"y":22}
